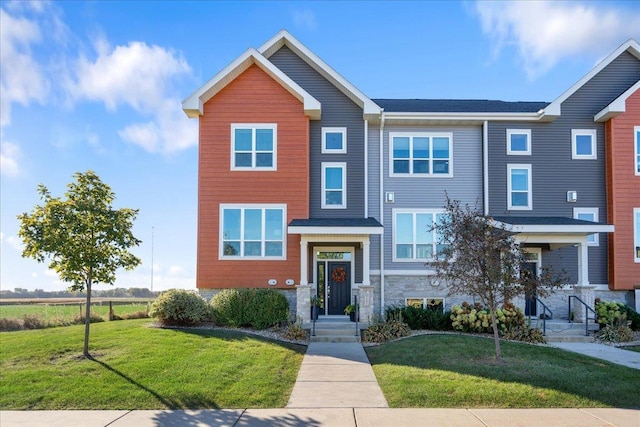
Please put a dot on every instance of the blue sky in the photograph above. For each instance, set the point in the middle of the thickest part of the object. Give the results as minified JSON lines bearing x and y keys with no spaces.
{"x":98,"y":85}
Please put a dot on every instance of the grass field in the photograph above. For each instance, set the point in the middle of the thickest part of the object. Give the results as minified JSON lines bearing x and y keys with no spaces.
{"x":61,"y":312}
{"x":460,"y":372}
{"x":138,"y":367}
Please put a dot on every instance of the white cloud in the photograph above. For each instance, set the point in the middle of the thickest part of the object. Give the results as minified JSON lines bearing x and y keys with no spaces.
{"x":9,"y":156}
{"x":175,"y":270}
{"x":22,"y":79}
{"x":13,"y":243}
{"x":305,"y":19}
{"x":546,"y":31}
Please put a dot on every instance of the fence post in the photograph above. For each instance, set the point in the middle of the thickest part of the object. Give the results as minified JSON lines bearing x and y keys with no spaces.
{"x":110,"y":311}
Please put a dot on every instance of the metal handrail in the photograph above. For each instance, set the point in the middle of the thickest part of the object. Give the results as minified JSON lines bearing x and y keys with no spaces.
{"x":586,"y":317}
{"x":545,"y":309}
{"x":355,"y":299}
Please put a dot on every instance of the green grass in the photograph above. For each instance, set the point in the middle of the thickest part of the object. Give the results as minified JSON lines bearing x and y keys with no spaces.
{"x":57,"y":313}
{"x":460,"y":371}
{"x":138,"y":367}
{"x":635,"y":348}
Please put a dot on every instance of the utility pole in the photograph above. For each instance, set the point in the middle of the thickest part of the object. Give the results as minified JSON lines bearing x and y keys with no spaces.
{"x":151,"y":258}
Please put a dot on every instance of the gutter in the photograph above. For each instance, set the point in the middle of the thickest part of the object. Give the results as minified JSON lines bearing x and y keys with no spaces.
{"x":381,"y":143}
{"x":366,"y":168}
{"x":485,"y":166}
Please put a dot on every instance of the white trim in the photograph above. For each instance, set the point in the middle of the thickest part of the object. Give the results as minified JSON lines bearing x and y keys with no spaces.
{"x":592,"y":239}
{"x":485,"y":166}
{"x":340,"y":130}
{"x":430,"y":159}
{"x":334,"y":165}
{"x":254,"y":127}
{"x":345,"y":249}
{"x":413,"y":273}
{"x":527,"y":133}
{"x":243,"y":207}
{"x":636,"y":231}
{"x":618,"y":106}
{"x":334,"y":231}
{"x":510,"y":168}
{"x":636,"y":147}
{"x":434,"y":236}
{"x":424,"y":301}
{"x":574,"y":144}
{"x":193,"y":105}
{"x":538,"y":260}
{"x":366,"y":168}
{"x":566,"y":229}
{"x":473,"y":118}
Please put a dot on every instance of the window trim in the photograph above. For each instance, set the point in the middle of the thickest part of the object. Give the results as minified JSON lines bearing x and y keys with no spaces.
{"x":636,"y":146}
{"x":574,"y":144}
{"x":254,"y":127}
{"x":424,"y":301}
{"x":510,"y":133}
{"x":412,"y":135}
{"x":595,"y":212}
{"x":341,"y":130}
{"x":323,"y":201}
{"x":636,"y":230}
{"x":394,"y":215}
{"x":529,"y":206}
{"x":243,"y":207}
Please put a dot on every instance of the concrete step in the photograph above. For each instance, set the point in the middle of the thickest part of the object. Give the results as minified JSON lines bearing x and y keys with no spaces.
{"x":569,"y":338}
{"x":323,"y":331}
{"x":336,"y":338}
{"x":565,"y":331}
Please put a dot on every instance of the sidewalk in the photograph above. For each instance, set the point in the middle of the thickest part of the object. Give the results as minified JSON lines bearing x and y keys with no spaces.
{"x":609,"y":353}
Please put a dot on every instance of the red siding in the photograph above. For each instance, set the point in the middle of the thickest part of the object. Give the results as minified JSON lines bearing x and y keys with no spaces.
{"x":623,"y":194}
{"x":253,"y":97}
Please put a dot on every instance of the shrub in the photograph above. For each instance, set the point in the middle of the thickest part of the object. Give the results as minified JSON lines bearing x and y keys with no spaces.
{"x":607,"y":311}
{"x":617,"y":330}
{"x":477,"y":319}
{"x":142,"y":314}
{"x":421,"y":318}
{"x":33,"y":322}
{"x":93,"y":318}
{"x":525,"y":334}
{"x":633,"y":316}
{"x":295,"y":332}
{"x":258,"y":308}
{"x":10,"y":325}
{"x":179,"y":307}
{"x":388,"y":330}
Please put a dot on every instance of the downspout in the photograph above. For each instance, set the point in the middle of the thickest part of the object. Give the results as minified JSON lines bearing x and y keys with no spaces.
{"x":381,"y":143}
{"x":485,"y":166}
{"x":366,"y":168}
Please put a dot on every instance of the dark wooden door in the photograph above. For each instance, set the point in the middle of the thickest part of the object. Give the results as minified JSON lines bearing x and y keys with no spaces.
{"x":530,"y":303}
{"x":338,"y":286}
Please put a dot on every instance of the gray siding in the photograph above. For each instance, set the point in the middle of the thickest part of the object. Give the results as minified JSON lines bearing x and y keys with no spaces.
{"x":553,"y":170}
{"x":374,"y":191}
{"x":337,"y":111}
{"x":429,"y":193}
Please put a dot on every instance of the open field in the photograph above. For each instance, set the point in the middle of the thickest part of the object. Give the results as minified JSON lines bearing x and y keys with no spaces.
{"x":460,"y":372}
{"x":139,"y":367}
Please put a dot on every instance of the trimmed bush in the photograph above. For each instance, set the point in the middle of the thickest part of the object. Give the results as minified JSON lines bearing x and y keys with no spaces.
{"x":422,"y":318}
{"x":33,"y":322}
{"x":257,"y":308}
{"x":477,"y":319}
{"x":10,"y":325}
{"x":391,"y":329}
{"x":179,"y":307}
{"x":608,"y":312}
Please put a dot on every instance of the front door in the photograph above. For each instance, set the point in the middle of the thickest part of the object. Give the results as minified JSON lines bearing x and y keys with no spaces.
{"x":530,"y":303}
{"x":338,"y":279}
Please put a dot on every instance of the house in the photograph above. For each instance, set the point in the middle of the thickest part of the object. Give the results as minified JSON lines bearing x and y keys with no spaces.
{"x":308,"y":186}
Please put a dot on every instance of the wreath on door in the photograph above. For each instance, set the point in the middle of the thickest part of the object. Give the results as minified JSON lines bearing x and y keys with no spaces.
{"x":339,"y":275}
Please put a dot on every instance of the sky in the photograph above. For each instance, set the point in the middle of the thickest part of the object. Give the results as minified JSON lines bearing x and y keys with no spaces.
{"x":98,"y":85}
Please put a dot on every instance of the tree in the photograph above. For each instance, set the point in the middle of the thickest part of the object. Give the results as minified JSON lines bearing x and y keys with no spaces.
{"x":85,"y":239}
{"x":479,"y":258}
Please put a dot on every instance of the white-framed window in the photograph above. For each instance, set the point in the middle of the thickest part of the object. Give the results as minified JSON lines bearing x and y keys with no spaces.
{"x":254,"y":146}
{"x":334,"y":140}
{"x":583,"y":144}
{"x":334,"y":185}
{"x":414,"y":236}
{"x":519,"y":195}
{"x":588,"y":214}
{"x":253,"y":231}
{"x":636,"y":234}
{"x":421,"y":154}
{"x":519,"y":142}
{"x":636,"y":132}
{"x":431,"y":303}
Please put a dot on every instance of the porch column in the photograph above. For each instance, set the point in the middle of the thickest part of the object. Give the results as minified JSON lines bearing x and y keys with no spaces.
{"x":365,"y":263}
{"x":304,"y":261}
{"x":583,"y":264}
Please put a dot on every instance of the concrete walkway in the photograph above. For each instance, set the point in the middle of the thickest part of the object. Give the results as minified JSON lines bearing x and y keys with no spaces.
{"x":336,"y":375}
{"x":609,"y":353}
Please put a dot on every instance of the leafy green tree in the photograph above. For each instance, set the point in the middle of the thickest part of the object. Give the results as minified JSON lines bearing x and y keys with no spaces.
{"x":479,"y":258}
{"x":85,"y":239}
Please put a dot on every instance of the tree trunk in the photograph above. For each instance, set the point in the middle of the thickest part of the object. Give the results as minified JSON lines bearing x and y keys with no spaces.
{"x":87,"y":318}
{"x":496,"y":337}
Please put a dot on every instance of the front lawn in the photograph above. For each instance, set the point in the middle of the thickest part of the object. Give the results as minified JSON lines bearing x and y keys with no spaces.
{"x":138,"y":367}
{"x":455,"y":371}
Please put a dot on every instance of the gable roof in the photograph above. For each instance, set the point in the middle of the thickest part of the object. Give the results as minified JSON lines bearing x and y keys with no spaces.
{"x":553,"y":110}
{"x":193,"y":104}
{"x":458,"y":106}
{"x":618,"y":106}
{"x":283,"y":38}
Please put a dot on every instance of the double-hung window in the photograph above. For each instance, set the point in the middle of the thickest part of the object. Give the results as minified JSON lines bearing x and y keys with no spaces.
{"x":421,"y":154}
{"x":583,"y":144}
{"x":253,"y":146}
{"x":252,"y":231}
{"x":636,"y":131}
{"x":334,"y":185}
{"x":636,"y":234}
{"x":414,"y":236}
{"x":588,"y":214}
{"x":334,"y":140}
{"x":519,"y":195}
{"x":519,"y":141}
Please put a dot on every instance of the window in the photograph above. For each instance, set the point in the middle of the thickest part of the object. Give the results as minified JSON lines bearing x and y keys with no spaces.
{"x":519,"y":187}
{"x":588,"y":214}
{"x":583,"y":144}
{"x":636,"y":234}
{"x":414,"y":237}
{"x":253,"y":146}
{"x":519,"y":141}
{"x":422,"y":154}
{"x":252,"y":231}
{"x":637,"y":156}
{"x":334,"y":185}
{"x":435,"y":304}
{"x":334,"y":140}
